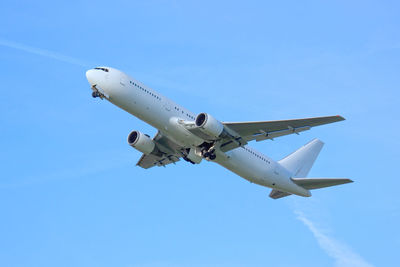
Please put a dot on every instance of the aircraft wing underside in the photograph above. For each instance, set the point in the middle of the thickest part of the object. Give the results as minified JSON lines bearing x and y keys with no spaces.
{"x":148,"y":161}
{"x":263,"y":130}
{"x":169,"y":149}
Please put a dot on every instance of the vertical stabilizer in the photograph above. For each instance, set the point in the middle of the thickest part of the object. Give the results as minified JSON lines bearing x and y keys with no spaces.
{"x":300,"y":162}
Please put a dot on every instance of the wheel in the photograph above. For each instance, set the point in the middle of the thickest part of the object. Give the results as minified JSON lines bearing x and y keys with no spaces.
{"x":213,"y":156}
{"x":94,"y":94}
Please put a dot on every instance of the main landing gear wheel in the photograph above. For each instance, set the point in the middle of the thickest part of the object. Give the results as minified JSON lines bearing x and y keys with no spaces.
{"x":209,"y":155}
{"x":95,"y":94}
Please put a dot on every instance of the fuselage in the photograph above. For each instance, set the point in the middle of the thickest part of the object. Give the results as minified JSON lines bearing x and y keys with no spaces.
{"x":164,"y":114}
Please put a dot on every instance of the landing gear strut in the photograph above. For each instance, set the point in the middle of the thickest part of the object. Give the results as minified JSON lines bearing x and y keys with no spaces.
{"x":97,"y":92}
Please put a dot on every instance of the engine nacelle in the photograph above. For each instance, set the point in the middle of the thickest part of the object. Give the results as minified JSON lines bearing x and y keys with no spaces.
{"x":141,"y":142}
{"x":209,"y":125}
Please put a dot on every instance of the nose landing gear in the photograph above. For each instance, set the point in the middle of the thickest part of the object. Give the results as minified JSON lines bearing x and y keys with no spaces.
{"x":98,"y":92}
{"x":95,"y":94}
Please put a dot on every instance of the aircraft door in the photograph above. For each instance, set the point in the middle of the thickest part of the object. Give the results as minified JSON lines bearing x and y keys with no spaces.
{"x":167,"y":104}
{"x":122,"y":80}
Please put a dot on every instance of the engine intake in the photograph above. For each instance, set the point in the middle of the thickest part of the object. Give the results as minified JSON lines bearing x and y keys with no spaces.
{"x":209,"y":125}
{"x":141,"y":142}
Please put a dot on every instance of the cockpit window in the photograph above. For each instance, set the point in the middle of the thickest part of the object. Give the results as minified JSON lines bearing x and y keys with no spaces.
{"x":103,"y":69}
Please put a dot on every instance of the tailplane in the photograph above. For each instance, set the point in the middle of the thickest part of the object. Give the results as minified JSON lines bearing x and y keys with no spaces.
{"x":316,"y":183}
{"x":299,"y":164}
{"x":310,"y":183}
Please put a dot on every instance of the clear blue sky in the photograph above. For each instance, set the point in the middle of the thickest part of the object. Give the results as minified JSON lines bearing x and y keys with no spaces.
{"x":71,"y":195}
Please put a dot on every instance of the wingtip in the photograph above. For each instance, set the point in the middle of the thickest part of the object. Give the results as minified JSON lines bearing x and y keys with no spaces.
{"x":341,"y":118}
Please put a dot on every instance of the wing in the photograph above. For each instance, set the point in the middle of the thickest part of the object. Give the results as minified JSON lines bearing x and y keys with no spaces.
{"x":170,"y":153}
{"x":148,"y":161}
{"x":262,"y":130}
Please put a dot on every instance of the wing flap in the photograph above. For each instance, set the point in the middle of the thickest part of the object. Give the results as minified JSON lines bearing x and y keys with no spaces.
{"x":148,"y":161}
{"x":271,"y":135}
{"x":169,"y":153}
{"x":262,"y":130}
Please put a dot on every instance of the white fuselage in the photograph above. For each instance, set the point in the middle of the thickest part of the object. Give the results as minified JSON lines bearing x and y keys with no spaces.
{"x":164,"y":114}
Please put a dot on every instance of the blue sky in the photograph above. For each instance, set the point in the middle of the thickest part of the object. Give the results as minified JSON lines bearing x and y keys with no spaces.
{"x":71,"y":195}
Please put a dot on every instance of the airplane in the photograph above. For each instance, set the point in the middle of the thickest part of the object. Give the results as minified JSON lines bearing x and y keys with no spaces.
{"x":182,"y":134}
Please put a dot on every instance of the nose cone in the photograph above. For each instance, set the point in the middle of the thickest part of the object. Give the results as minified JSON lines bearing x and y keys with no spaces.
{"x":99,"y":80}
{"x":91,"y":76}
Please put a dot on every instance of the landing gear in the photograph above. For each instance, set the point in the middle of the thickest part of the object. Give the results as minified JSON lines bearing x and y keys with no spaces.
{"x":209,"y":154}
{"x":98,"y":92}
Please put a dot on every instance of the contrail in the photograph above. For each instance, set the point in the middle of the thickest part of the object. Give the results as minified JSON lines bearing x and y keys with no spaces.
{"x":43,"y":52}
{"x":343,"y":254}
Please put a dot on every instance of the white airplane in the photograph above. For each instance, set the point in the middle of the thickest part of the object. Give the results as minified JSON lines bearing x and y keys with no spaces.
{"x":182,"y":134}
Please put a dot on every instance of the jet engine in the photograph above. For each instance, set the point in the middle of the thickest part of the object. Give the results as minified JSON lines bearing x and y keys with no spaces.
{"x":209,"y":125}
{"x":141,"y":142}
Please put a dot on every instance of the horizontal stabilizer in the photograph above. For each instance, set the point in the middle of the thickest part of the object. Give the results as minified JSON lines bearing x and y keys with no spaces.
{"x":275,"y":194}
{"x":315,"y":183}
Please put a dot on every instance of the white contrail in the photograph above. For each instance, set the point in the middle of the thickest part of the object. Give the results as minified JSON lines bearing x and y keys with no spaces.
{"x":343,"y":254}
{"x":42,"y":52}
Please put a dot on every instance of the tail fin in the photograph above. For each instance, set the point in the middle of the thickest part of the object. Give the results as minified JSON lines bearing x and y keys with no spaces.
{"x":300,"y":162}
